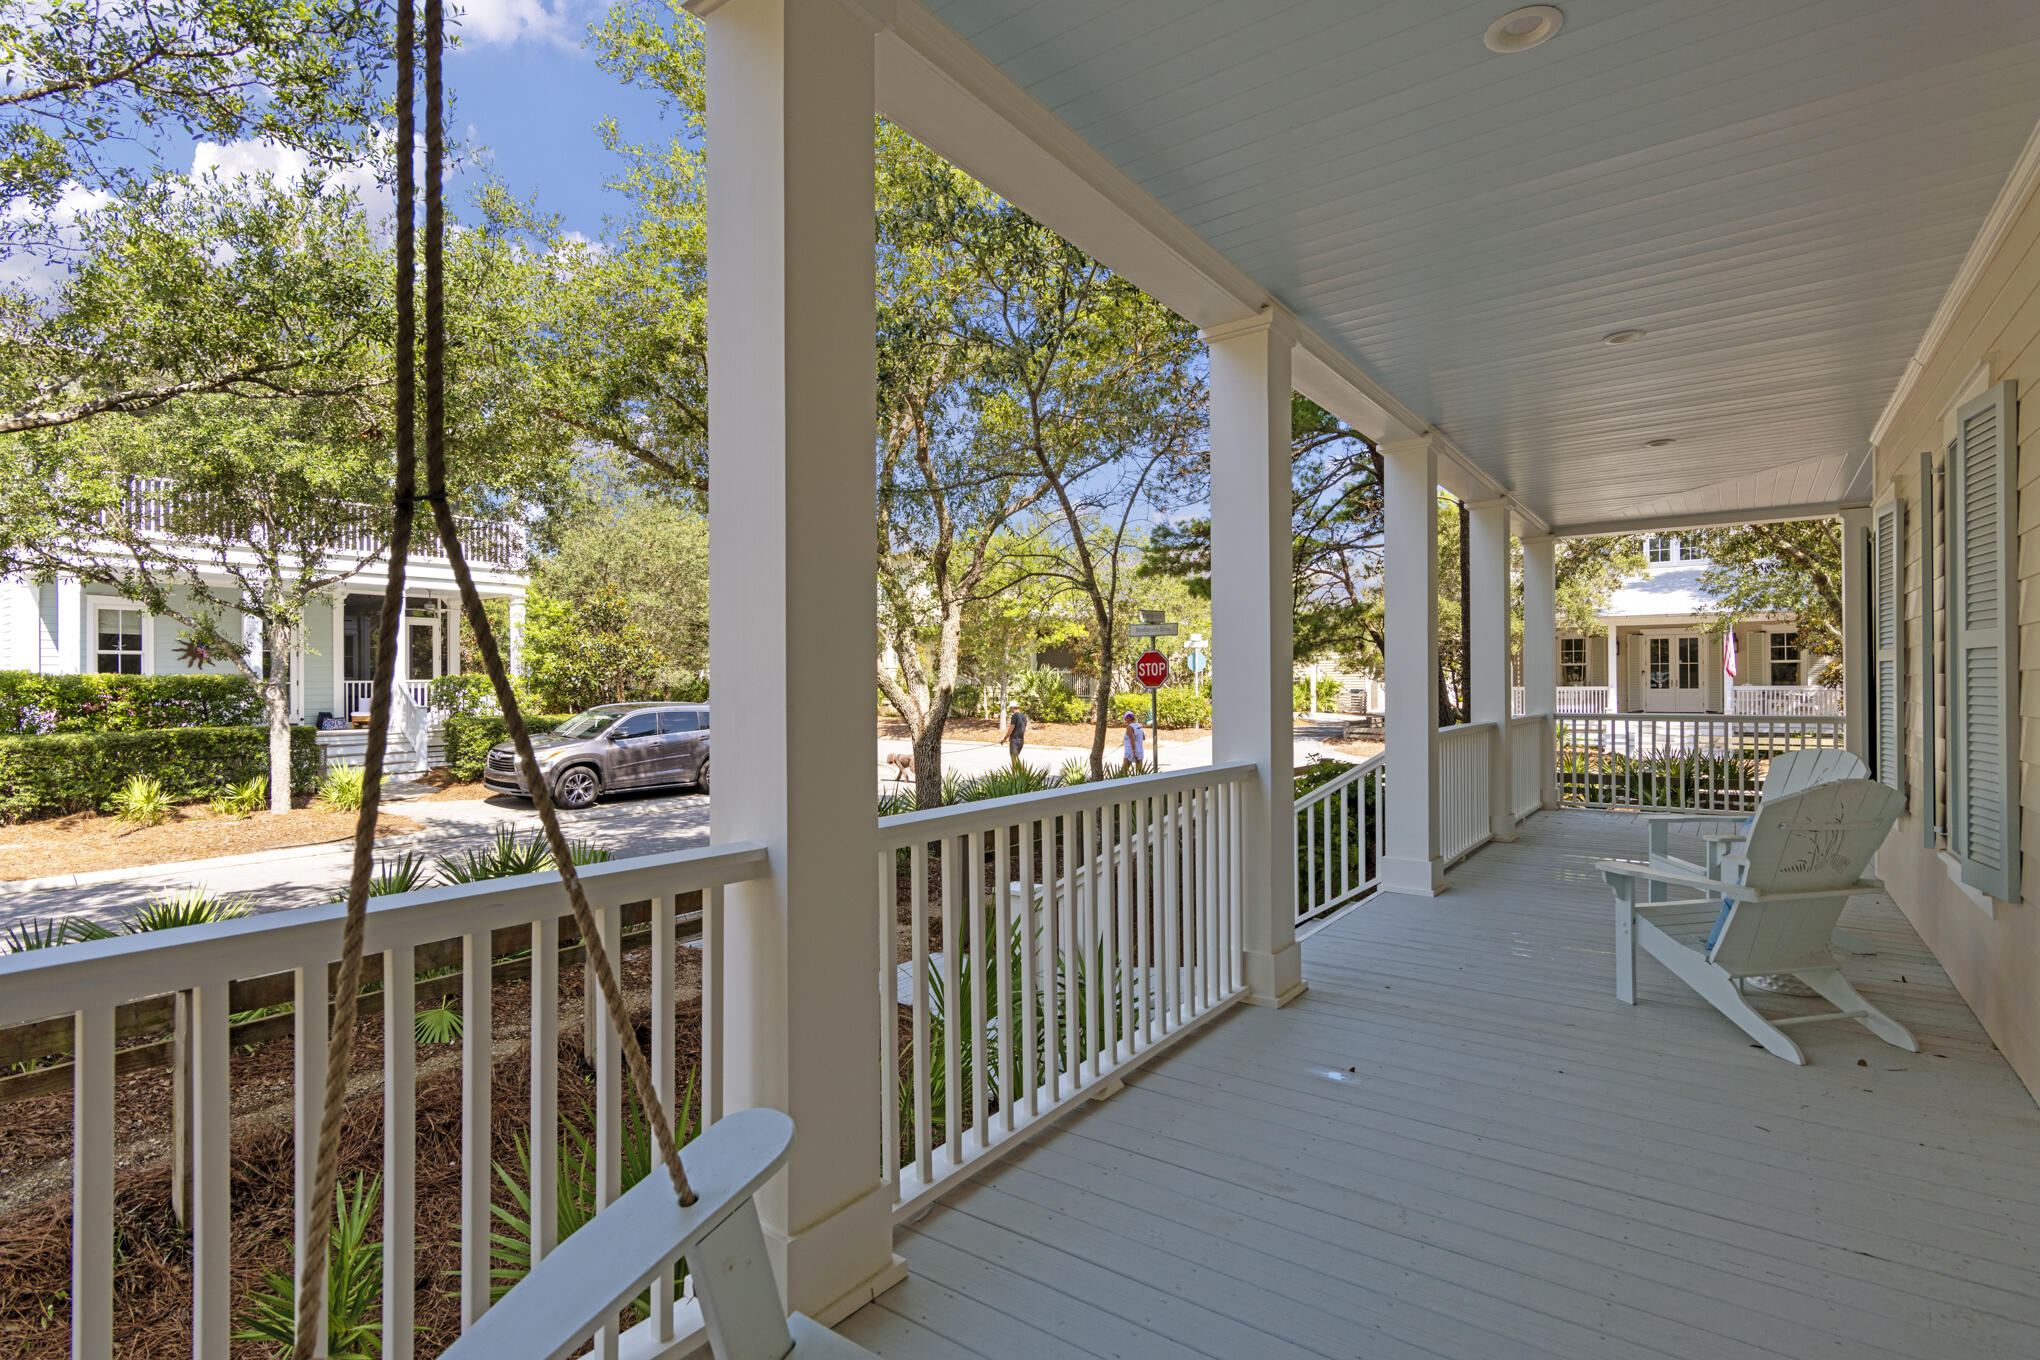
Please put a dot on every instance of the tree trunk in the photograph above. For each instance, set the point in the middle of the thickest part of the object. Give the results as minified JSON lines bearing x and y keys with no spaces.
{"x":276,"y":699}
{"x":1101,"y":711}
{"x":928,"y":766}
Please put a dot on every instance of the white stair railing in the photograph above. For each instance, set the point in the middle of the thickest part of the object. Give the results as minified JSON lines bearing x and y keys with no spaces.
{"x":94,"y":983}
{"x":1081,"y":929}
{"x":1339,"y":838}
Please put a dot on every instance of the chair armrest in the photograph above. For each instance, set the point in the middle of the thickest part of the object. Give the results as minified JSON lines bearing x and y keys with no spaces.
{"x":1725,"y":836}
{"x":1676,"y":878}
{"x":1682,"y":818}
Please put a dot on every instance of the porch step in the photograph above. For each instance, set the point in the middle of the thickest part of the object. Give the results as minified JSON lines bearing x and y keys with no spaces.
{"x":340,"y":750}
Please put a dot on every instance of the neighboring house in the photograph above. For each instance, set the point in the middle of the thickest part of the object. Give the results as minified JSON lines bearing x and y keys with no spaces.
{"x":1660,"y":641}
{"x":68,"y":626}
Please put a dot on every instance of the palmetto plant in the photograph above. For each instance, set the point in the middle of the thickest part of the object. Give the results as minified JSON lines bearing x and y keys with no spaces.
{"x":342,"y":787}
{"x":509,"y":855}
{"x":184,"y":907}
{"x":408,"y":872}
{"x":141,"y":801}
{"x":242,"y":799}
{"x":578,"y":1184}
{"x":440,"y":1024}
{"x":354,"y":1278}
{"x":44,"y":932}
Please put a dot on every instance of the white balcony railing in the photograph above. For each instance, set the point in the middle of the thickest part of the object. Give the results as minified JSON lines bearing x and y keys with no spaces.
{"x":355,"y":694}
{"x":1080,"y":930}
{"x":1464,"y":808}
{"x":1785,"y":701}
{"x":1705,"y":764}
{"x":154,"y":507}
{"x":1339,"y":838}
{"x":1530,"y":754}
{"x":1571,"y":699}
{"x":97,"y":985}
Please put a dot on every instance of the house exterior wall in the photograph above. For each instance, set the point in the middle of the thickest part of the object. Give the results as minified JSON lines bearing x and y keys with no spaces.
{"x":1990,"y":949}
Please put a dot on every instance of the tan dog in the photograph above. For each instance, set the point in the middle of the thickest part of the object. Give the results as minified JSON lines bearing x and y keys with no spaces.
{"x":902,"y":763}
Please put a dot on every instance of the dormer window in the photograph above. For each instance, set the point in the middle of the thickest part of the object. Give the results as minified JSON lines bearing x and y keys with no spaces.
{"x":1659,"y":548}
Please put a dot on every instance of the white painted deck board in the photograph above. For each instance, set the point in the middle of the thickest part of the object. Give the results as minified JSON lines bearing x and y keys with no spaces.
{"x":1514,"y":1165}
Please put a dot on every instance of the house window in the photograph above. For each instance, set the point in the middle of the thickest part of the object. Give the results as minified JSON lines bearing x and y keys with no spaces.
{"x":1690,"y":551}
{"x":1572,"y":661}
{"x":1659,"y":547}
{"x":1784,"y":659}
{"x":1660,"y":667}
{"x":118,"y":641}
{"x":1689,"y":663}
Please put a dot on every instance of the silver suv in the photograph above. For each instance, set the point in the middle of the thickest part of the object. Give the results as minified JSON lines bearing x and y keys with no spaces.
{"x":611,"y":747}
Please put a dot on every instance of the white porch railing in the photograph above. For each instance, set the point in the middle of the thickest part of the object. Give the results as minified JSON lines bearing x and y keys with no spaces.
{"x":1788,"y":701}
{"x":206,"y":965}
{"x":1464,"y":769}
{"x":1095,"y":925}
{"x":1530,"y":754}
{"x":355,"y":694}
{"x":1705,"y":764}
{"x":1571,"y":699}
{"x":1339,"y":838}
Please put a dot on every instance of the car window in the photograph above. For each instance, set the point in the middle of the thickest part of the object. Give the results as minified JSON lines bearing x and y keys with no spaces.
{"x":637,"y":725}
{"x":679,"y":720}
{"x":592,"y":723}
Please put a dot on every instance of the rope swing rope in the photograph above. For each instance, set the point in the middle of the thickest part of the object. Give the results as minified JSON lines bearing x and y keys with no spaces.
{"x":312,"y":1268}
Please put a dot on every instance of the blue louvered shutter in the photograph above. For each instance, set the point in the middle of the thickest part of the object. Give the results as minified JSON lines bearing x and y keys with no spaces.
{"x":1983,"y":663}
{"x":1887,"y":564}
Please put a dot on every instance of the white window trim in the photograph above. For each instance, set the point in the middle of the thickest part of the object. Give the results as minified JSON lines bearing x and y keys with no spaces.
{"x":89,"y":663}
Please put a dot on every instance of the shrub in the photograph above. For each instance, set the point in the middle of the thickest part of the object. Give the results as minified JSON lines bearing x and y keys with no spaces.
{"x":1048,"y":696}
{"x":691,"y":690}
{"x":343,"y":786}
{"x":242,"y":799}
{"x":42,"y":776}
{"x":1328,"y":692}
{"x":469,"y":738}
{"x":1175,"y":707}
{"x":142,"y":801}
{"x":408,"y":872}
{"x":509,"y":855}
{"x":354,"y":1279}
{"x":31,"y":702}
{"x":467,"y":695}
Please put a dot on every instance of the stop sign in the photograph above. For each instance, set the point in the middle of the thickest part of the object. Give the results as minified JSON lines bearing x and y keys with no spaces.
{"x":1152,"y":669}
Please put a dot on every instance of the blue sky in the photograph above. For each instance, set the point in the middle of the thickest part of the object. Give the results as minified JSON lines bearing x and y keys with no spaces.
{"x":526,"y":89}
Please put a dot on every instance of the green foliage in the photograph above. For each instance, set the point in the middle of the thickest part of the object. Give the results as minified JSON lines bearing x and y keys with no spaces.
{"x":31,"y":702}
{"x":579,"y":1181}
{"x":69,"y":772}
{"x":343,"y":787}
{"x":1792,"y":568}
{"x":465,"y":694}
{"x":41,"y":932}
{"x":408,"y":872}
{"x":242,"y":799}
{"x":1175,"y":706}
{"x":1728,"y":781}
{"x":510,"y":854}
{"x":175,"y":909}
{"x":1317,"y":876}
{"x":589,"y":651}
{"x":141,"y":801}
{"x":652,"y":555}
{"x":1327,"y":694}
{"x":1046,"y":695}
{"x":468,"y":739}
{"x":440,"y":1024}
{"x":354,"y":1279}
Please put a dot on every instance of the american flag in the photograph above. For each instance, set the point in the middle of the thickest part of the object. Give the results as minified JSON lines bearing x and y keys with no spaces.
{"x":1728,"y":655}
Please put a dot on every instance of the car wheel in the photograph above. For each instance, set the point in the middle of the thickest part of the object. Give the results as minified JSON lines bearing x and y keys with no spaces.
{"x":701,"y":780}
{"x":578,"y":788}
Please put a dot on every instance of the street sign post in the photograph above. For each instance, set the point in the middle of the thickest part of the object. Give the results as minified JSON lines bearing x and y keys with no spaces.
{"x":1152,"y":630}
{"x":1152,"y":670}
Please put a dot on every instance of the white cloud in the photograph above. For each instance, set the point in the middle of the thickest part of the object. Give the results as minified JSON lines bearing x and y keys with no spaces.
{"x":509,"y":21}
{"x":254,"y":158}
{"x":34,"y":269}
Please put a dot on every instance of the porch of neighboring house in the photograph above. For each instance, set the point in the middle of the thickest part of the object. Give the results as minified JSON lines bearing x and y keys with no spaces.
{"x":1458,"y":1143}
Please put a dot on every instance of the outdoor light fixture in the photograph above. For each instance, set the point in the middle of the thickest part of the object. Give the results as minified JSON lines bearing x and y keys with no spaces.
{"x":1623,"y":337}
{"x":1522,"y":29}
{"x":1659,"y":443}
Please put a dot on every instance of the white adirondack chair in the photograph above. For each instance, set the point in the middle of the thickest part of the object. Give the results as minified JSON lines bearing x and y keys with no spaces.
{"x":1804,"y":858}
{"x":590,"y":1277}
{"x":1786,"y":774}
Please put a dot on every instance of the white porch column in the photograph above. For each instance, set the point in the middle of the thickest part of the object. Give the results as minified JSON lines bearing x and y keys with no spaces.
{"x":71,"y":625}
{"x":1487,"y":565}
{"x":792,"y":588}
{"x":1252,"y":620}
{"x":1856,"y":630}
{"x":1540,"y":645}
{"x":516,"y":638}
{"x":1410,"y":504}
{"x":339,"y":657}
{"x":1614,"y":670}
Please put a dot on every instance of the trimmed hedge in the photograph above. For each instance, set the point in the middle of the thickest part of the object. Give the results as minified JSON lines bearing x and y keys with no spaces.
{"x":469,"y":738}
{"x":45,"y":776}
{"x":33,"y":704}
{"x":1174,"y":707}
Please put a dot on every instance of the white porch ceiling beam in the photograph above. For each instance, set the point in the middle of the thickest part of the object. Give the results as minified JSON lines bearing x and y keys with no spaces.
{"x":1776,"y":514}
{"x":964,"y":107}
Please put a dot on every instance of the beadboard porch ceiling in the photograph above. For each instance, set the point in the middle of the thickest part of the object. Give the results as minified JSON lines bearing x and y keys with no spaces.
{"x":1778,"y":192}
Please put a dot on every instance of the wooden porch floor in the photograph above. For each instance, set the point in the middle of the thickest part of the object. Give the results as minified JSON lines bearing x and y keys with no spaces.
{"x":1459,"y":1144}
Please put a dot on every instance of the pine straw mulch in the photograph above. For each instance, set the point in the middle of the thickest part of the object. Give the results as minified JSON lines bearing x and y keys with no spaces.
{"x":152,"y":1259}
{"x":86,"y":841}
{"x":1074,"y":737}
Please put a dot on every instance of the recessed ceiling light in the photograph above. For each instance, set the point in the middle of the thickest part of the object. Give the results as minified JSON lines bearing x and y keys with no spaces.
{"x":1522,"y":29}
{"x":1622,"y":337}
{"x":1658,"y":443}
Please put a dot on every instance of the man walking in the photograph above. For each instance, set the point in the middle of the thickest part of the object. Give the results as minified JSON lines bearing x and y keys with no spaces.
{"x":1134,"y":746}
{"x":1015,"y":730}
